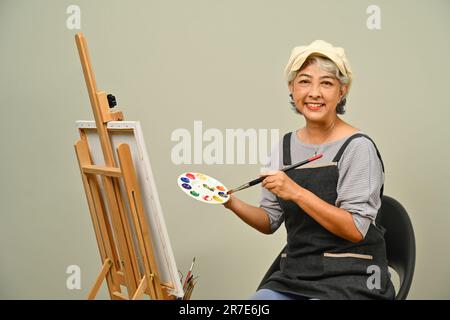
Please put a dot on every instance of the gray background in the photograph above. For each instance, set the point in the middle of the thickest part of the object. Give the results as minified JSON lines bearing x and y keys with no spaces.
{"x":170,"y":63}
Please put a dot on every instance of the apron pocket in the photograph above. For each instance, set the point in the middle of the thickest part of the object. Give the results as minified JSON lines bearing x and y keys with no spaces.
{"x":348,"y":255}
{"x":361,"y":272}
{"x":303,"y":267}
{"x":346,"y":263}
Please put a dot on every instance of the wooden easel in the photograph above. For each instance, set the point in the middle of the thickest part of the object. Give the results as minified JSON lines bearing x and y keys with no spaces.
{"x":116,"y":241}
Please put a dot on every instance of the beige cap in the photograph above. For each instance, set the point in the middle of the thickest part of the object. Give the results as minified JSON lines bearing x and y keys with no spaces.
{"x":335,"y":54}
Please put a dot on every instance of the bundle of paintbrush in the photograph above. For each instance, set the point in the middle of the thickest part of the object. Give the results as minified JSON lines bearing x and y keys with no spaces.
{"x":189,"y":282}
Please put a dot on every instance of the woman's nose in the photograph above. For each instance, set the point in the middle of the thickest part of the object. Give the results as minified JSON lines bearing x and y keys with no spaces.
{"x":314,"y":93}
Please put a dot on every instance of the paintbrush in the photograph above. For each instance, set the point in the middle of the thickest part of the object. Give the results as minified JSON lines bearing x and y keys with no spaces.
{"x":260,"y":179}
{"x":189,"y":273}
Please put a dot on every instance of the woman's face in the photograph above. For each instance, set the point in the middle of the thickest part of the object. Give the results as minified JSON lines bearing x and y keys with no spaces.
{"x":316,"y":93}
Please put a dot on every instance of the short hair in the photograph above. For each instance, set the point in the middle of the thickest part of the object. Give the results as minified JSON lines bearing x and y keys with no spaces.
{"x":327,"y":65}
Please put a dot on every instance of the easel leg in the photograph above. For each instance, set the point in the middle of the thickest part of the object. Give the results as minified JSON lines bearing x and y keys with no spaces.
{"x":122,"y":233}
{"x":105,"y":269}
{"x":99,"y":219}
{"x":141,"y":289}
{"x":137,"y":212}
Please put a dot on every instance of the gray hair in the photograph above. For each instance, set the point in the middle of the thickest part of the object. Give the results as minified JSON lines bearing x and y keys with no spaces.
{"x":329,"y":66}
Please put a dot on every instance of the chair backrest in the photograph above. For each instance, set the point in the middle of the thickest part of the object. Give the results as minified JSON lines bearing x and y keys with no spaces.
{"x":400,"y":242}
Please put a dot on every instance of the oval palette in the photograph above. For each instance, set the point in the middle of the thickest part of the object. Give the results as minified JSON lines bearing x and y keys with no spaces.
{"x":203,"y":188}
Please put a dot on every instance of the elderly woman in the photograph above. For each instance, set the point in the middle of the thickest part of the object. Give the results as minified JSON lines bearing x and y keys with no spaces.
{"x":334,"y":248}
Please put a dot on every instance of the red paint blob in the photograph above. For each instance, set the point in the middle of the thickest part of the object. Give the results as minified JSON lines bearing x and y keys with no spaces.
{"x":190,"y":176}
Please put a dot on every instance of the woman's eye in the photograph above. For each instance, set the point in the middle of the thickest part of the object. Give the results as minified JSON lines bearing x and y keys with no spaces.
{"x":303,"y":81}
{"x":327,"y":83}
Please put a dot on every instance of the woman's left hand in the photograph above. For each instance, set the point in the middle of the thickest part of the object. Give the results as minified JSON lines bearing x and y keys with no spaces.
{"x":280,"y":184}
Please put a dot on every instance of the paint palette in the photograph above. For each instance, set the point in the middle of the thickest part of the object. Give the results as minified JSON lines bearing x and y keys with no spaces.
{"x":203,"y":188}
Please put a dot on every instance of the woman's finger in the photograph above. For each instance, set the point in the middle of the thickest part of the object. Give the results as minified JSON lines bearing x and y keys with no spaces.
{"x":268,"y":173}
{"x":267,"y":180}
{"x":270,"y":185}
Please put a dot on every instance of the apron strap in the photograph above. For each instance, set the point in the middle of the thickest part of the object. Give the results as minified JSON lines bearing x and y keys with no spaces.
{"x":342,"y":149}
{"x":357,"y":135}
{"x":287,"y":149}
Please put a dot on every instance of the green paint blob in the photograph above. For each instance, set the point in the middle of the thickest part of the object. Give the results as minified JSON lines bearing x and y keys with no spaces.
{"x":195,"y":194}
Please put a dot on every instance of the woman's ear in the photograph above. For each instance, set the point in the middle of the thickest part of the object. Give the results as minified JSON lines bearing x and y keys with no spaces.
{"x":343,"y":92}
{"x":291,"y":86}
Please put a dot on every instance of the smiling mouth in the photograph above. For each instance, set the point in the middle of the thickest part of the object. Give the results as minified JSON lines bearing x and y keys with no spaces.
{"x":314,"y":106}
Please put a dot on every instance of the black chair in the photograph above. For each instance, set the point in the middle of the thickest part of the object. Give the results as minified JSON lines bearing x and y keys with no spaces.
{"x":400,"y":242}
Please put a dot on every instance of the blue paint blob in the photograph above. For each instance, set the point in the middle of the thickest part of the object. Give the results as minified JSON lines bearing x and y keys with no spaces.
{"x":186,"y":186}
{"x":223,"y":194}
{"x":185,"y":180}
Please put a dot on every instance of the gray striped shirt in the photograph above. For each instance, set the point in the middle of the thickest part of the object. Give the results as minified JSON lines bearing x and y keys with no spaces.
{"x":360,"y":178}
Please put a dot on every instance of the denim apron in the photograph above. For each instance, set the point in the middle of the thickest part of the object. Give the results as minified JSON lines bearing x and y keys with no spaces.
{"x":318,"y":264}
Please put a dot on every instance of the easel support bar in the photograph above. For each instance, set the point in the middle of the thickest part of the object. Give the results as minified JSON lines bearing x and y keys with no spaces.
{"x":120,"y":296}
{"x":104,"y":171}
